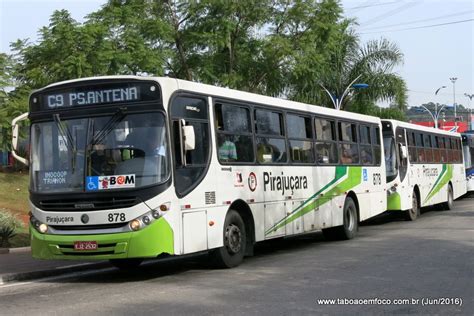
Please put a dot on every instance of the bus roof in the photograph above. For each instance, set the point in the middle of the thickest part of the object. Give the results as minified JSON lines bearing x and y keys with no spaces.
{"x":396,"y":123}
{"x":227,"y":93}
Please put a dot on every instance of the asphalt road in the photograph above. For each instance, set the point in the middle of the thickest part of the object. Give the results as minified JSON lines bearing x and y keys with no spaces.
{"x":390,"y":259}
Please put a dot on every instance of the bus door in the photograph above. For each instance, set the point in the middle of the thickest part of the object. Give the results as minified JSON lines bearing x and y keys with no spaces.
{"x":190,"y":166}
{"x":400,"y":139}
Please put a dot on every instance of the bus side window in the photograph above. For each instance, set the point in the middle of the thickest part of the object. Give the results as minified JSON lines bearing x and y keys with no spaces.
{"x":326,"y":149}
{"x":300,"y":134}
{"x":271,"y":143}
{"x":234,"y":133}
{"x":366,"y":153}
{"x":376,"y":146}
{"x":412,"y":147}
{"x":348,"y":143}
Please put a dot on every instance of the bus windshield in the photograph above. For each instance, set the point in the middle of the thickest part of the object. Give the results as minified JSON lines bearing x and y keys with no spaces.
{"x":120,"y":151}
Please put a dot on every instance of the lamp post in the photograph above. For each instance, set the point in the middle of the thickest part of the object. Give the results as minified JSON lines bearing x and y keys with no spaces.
{"x":337,"y":101}
{"x":453,"y":80}
{"x":470,"y":96}
{"x":436,"y":104}
{"x":434,"y":116}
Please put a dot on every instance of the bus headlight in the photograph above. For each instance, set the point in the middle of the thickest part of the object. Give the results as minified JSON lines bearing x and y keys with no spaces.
{"x":155,"y":214}
{"x":135,"y":224}
{"x":43,"y":228}
{"x":40,"y":227}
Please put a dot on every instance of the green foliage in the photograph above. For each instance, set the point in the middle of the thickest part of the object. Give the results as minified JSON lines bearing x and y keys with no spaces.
{"x":393,"y":113}
{"x":8,"y":226}
{"x":278,"y":48}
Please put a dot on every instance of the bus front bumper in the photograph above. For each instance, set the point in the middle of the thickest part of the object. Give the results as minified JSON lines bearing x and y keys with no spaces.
{"x":148,"y":242}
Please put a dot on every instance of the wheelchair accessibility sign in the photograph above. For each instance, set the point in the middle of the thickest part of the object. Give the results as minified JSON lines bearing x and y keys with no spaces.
{"x":110,"y":182}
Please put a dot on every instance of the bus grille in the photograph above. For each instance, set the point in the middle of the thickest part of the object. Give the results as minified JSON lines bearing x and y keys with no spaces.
{"x":88,"y":227}
{"x":76,"y":205}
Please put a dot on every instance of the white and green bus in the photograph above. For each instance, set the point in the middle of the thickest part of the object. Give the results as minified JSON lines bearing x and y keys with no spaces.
{"x":126,"y":168}
{"x":424,"y":166}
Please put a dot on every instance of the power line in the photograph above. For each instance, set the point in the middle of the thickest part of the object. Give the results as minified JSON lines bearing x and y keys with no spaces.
{"x":423,"y":20}
{"x":389,"y":13}
{"x":371,"y":5}
{"x":419,"y":27}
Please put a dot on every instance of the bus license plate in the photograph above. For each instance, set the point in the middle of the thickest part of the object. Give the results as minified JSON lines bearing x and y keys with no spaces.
{"x":85,"y":245}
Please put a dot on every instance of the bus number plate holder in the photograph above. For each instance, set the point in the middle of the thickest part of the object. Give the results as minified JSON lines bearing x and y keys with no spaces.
{"x":85,"y":245}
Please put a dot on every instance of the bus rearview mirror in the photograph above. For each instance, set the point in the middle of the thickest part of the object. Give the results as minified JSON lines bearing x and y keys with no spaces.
{"x":189,"y":138}
{"x":403,"y":151}
{"x":16,"y":136}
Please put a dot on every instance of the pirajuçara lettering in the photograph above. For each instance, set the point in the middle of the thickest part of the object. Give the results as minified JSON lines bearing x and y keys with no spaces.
{"x":283,"y":183}
{"x":59,"y":219}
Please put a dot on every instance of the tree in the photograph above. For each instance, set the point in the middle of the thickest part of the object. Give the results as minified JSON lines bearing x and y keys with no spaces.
{"x":277,"y":48}
{"x":373,"y":63}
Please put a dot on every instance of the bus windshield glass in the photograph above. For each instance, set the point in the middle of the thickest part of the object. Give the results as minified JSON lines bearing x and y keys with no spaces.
{"x":121,"y":151}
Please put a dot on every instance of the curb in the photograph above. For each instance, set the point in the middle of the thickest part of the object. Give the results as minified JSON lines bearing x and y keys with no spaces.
{"x":26,"y":276}
{"x":4,"y":251}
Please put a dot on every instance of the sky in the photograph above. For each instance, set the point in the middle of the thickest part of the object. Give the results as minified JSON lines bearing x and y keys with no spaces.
{"x":433,"y":53}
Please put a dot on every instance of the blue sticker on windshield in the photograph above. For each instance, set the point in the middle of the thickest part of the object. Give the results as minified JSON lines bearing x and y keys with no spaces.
{"x":92,"y":183}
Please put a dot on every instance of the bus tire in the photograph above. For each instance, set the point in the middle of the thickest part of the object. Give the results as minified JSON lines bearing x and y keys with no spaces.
{"x":350,"y":225}
{"x":126,"y":264}
{"x":235,"y":239}
{"x":413,"y":213}
{"x":449,"y":204}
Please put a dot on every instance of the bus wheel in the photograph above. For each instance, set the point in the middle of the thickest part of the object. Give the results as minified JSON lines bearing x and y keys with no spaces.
{"x":234,"y":236}
{"x":412,"y":214}
{"x":126,"y":264}
{"x":350,"y":223}
{"x":449,"y":204}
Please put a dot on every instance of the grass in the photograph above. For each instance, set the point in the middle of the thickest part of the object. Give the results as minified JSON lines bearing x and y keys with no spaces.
{"x":21,"y":239}
{"x":14,"y":199}
{"x":14,"y":192}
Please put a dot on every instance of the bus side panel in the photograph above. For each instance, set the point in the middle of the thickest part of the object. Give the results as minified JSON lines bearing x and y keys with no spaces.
{"x":460,"y":185}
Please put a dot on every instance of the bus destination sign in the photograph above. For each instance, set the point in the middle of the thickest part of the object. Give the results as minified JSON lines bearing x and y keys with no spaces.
{"x":94,"y":95}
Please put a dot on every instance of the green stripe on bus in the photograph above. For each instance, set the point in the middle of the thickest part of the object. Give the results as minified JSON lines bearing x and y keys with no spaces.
{"x":353,"y":179}
{"x":443,"y":179}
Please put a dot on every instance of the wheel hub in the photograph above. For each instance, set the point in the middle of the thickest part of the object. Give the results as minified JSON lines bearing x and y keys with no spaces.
{"x":233,"y":238}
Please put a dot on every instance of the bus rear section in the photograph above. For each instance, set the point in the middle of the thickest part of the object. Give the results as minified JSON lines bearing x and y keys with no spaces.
{"x":423,"y":167}
{"x":468,"y":152}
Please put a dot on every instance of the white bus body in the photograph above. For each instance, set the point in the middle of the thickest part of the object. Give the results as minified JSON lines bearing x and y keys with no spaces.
{"x":423,"y":166}
{"x":283,"y":179}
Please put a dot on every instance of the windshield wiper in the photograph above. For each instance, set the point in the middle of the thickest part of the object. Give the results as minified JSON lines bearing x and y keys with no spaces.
{"x":67,"y":138}
{"x":109,"y":126}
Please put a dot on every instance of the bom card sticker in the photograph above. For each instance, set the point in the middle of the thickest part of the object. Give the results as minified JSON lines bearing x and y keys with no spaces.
{"x":110,"y":182}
